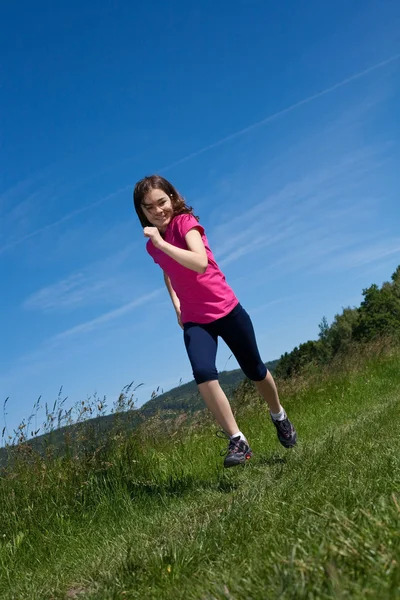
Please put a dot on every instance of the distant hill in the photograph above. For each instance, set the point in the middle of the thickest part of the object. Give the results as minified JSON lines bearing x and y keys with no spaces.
{"x":184,"y":398}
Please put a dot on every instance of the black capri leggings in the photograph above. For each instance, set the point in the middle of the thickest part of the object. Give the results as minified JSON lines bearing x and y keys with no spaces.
{"x":236,"y":329}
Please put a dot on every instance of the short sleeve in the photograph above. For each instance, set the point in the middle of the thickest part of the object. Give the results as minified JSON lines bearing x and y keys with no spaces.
{"x":187,"y":222}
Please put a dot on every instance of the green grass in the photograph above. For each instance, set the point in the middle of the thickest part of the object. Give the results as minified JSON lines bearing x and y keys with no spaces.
{"x":159,"y":517}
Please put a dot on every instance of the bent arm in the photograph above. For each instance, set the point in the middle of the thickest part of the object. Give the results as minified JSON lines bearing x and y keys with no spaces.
{"x":195,"y":258}
{"x":174,"y":297}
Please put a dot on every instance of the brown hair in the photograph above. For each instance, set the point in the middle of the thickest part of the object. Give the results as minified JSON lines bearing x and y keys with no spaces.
{"x":156,"y":182}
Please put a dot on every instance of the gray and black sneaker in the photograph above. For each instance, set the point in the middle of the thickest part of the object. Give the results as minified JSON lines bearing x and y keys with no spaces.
{"x":238,"y":451}
{"x":286,"y":432}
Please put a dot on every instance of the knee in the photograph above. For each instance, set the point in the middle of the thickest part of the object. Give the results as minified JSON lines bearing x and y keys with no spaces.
{"x":256,"y":372}
{"x":204,"y":374}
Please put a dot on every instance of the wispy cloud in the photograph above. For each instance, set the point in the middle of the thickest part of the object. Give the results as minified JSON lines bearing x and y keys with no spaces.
{"x":104,"y":281}
{"x":55,"y":350}
{"x":317,"y":210}
{"x":365,"y":254}
{"x":255,"y":243}
{"x":64,"y":219}
{"x":21,"y":207}
{"x":75,"y":290}
{"x":263,"y":307}
{"x":13,"y":194}
{"x":106,"y":317}
{"x":286,"y":110}
{"x":311,"y":98}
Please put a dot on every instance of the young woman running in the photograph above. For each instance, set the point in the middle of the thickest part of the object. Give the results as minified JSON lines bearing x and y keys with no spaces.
{"x":206,"y":307}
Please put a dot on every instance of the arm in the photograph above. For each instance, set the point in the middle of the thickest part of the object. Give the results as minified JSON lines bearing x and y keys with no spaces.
{"x":174,"y":298}
{"x":194,"y":259}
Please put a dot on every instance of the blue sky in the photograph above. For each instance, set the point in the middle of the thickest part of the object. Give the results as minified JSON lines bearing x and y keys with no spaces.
{"x":279,"y":122}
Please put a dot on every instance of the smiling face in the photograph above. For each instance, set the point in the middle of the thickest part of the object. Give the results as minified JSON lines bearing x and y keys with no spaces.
{"x":157,"y":208}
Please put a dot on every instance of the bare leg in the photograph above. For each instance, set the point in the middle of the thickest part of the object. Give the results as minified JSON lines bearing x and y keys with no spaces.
{"x":268,"y":391}
{"x":217,"y":402}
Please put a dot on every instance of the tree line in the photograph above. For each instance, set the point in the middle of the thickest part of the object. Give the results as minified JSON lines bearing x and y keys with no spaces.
{"x":378,"y":315}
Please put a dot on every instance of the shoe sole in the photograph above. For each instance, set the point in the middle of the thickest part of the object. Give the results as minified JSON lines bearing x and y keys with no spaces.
{"x":239,"y":462}
{"x":291,"y":444}
{"x":284,"y":443}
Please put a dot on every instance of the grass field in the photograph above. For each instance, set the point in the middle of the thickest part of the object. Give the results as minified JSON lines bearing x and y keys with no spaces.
{"x":159,"y":517}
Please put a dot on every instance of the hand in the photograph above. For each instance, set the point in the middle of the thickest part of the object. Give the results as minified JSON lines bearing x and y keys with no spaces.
{"x":154,"y":235}
{"x":178,"y":315}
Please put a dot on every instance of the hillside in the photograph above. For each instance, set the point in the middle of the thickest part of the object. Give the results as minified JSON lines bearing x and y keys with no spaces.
{"x":158,"y":518}
{"x":186,"y":396}
{"x":154,"y":515}
{"x":179,"y":400}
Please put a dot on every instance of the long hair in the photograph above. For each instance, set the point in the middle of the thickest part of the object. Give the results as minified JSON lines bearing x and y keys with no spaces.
{"x":156,"y":182}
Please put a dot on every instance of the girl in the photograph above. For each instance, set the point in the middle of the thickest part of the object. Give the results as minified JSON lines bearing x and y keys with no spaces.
{"x":206,"y":307}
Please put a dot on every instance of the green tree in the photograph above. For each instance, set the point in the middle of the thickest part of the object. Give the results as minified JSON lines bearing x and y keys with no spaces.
{"x":379,"y":313}
{"x":341,"y":332}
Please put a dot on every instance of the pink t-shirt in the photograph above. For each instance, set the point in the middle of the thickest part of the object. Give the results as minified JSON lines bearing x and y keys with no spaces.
{"x":204,"y":297}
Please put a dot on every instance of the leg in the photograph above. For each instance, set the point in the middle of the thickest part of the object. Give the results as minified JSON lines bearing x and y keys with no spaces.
{"x":238,"y":334}
{"x":201,"y":345}
{"x":267,"y":389}
{"x":217,"y":402}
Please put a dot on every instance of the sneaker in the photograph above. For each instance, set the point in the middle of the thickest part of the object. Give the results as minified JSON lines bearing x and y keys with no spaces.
{"x":238,"y":451}
{"x":286,"y":432}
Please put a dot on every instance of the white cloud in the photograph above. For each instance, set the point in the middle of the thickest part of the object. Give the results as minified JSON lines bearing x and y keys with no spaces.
{"x":262,"y":307}
{"x":75,"y":290}
{"x":19,"y":240}
{"x":103,"y":281}
{"x":364,"y":255}
{"x":45,"y":355}
{"x":106,"y":317}
{"x":307,"y":218}
{"x":285,"y":111}
{"x":13,"y":194}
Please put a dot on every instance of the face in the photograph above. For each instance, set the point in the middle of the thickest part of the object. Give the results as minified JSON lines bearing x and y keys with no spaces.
{"x":158,"y":209}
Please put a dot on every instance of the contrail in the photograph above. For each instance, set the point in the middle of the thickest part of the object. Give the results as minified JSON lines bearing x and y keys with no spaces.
{"x":232,"y":136}
{"x":67,"y":217}
{"x":284,"y":111}
{"x":112,"y":314}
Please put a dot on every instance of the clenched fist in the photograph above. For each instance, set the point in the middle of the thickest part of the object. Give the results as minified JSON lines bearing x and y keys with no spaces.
{"x":154,"y":235}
